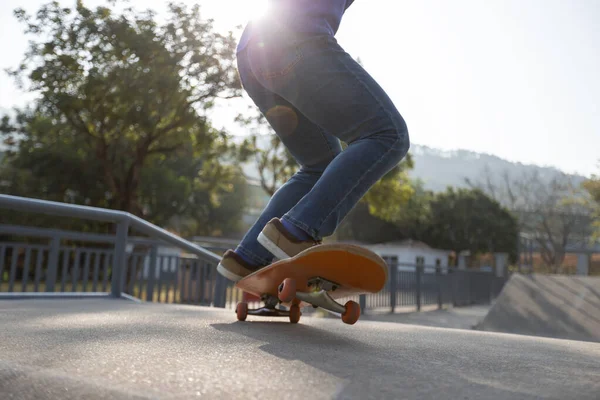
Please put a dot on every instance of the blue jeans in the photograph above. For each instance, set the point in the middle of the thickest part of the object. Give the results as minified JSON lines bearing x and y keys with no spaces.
{"x":315,"y":95}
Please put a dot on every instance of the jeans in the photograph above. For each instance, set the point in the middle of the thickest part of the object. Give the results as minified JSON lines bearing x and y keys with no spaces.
{"x":314,"y":95}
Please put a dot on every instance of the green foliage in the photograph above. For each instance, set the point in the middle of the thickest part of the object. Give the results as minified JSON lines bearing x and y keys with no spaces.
{"x":413,"y":219}
{"x":275,"y":164}
{"x":360,"y":225}
{"x":388,"y":197}
{"x":120,"y":118}
{"x":469,"y":220}
{"x":456,"y":220}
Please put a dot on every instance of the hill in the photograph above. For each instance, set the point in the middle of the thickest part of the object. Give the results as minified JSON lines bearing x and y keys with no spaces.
{"x":439,"y":169}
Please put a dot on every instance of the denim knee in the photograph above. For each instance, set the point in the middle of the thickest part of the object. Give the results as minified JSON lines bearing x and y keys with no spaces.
{"x":397,"y":137}
{"x":403,"y":143}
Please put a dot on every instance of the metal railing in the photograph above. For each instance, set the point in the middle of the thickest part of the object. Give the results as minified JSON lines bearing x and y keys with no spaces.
{"x":52,"y":266}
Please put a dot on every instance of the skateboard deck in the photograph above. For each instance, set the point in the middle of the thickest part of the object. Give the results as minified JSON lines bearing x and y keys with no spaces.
{"x":315,"y":277}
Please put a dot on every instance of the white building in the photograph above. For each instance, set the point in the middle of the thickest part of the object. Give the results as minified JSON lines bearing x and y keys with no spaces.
{"x":409,"y":253}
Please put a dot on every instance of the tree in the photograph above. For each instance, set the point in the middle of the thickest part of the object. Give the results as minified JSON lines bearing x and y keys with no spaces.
{"x":592,"y":186}
{"x":468,"y":220}
{"x":193,"y":196}
{"x":360,"y":225}
{"x":274,"y":163}
{"x":389,"y":197}
{"x":413,"y":218}
{"x":120,"y":118}
{"x":551,"y":211}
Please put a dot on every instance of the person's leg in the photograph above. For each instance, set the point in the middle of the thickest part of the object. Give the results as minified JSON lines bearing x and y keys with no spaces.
{"x":331,"y":89}
{"x":310,"y":146}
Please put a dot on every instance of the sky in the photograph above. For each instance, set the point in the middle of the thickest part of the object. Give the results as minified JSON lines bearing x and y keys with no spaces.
{"x":518,"y":79}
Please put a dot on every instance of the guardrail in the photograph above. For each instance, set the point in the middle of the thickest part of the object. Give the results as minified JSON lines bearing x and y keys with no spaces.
{"x":98,"y":263}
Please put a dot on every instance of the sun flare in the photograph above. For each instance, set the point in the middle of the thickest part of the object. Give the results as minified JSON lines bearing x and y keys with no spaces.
{"x":244,"y":9}
{"x":256,"y":8}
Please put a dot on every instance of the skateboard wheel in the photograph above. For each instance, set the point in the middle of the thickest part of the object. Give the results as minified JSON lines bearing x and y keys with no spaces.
{"x":287,"y":290}
{"x":242,"y":311}
{"x":295,"y":314}
{"x":352,"y":313}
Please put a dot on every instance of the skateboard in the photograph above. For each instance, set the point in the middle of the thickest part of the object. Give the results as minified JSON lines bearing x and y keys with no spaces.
{"x":315,"y":277}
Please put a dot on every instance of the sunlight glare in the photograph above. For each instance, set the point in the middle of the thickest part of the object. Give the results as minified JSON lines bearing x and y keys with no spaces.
{"x":248,"y":9}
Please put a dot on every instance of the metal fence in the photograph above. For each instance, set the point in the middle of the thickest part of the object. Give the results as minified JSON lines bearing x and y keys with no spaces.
{"x":152,"y":271}
{"x":64,"y":262}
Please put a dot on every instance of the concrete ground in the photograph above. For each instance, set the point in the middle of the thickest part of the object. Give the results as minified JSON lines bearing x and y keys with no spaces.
{"x":115,"y":349}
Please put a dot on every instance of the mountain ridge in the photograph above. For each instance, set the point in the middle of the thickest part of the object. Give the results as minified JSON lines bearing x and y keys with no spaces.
{"x":438,"y":169}
{"x":441,"y":168}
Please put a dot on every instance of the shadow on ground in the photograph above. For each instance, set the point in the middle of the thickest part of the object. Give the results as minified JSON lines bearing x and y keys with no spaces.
{"x":403,"y":359}
{"x":454,"y":318}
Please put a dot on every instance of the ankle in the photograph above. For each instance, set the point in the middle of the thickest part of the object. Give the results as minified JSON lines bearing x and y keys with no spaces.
{"x":295,"y":231}
{"x":247,"y":260}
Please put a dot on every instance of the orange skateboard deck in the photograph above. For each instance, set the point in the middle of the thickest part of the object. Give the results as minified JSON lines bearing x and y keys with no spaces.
{"x":315,"y":277}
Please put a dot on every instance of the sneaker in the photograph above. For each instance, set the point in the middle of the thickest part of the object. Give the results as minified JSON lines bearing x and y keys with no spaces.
{"x":234,"y":267}
{"x":282,"y":244}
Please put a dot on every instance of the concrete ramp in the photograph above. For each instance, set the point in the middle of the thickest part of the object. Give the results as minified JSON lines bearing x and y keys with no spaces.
{"x":562,"y":307}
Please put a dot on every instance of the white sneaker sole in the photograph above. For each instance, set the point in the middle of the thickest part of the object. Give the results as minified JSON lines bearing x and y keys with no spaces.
{"x":228,"y":274}
{"x":272,"y":247}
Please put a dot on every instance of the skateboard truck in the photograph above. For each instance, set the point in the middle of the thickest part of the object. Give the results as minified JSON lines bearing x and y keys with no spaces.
{"x":322,"y":284}
{"x":269,"y":310}
{"x":318,"y":296}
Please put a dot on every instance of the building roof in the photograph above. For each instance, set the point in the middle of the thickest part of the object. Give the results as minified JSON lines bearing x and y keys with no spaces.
{"x":408,"y":243}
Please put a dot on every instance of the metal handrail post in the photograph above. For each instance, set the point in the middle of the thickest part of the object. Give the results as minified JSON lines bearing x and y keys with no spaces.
{"x":151,"y":273}
{"x":438,"y":276}
{"x":119,"y":260}
{"x":419,"y":276}
{"x":52,"y":263}
{"x":362,"y":302}
{"x":220,"y":294}
{"x":393,"y":286}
